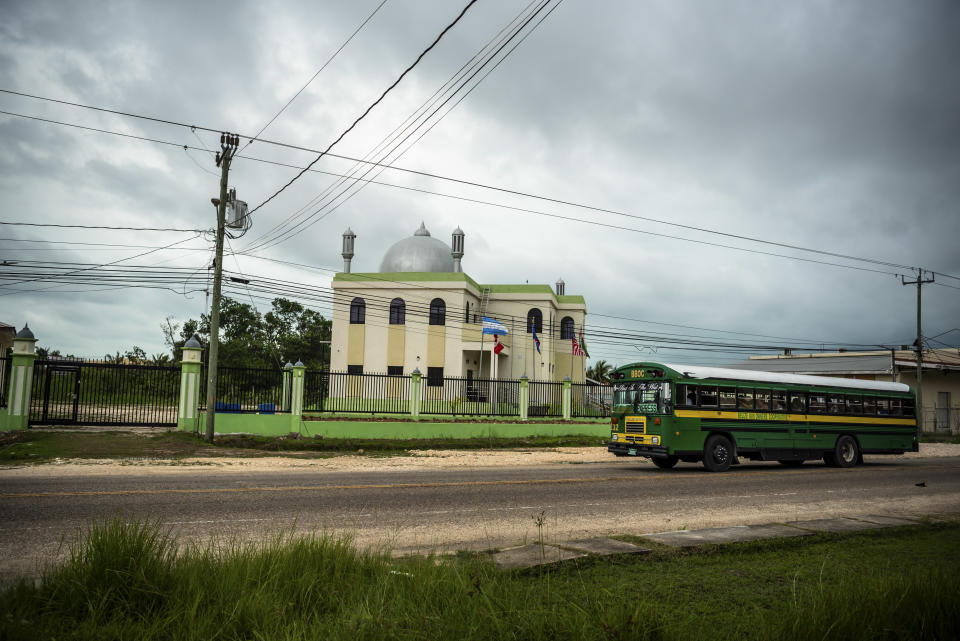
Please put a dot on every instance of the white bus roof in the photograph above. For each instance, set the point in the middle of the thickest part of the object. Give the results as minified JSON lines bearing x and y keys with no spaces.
{"x":697,"y":371}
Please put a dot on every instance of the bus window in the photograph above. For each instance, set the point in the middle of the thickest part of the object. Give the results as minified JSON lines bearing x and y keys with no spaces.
{"x":854,"y":404}
{"x":883,"y":406}
{"x":895,"y":407}
{"x":728,"y":398}
{"x":763,"y":400}
{"x":835,"y":405}
{"x":798,"y":402}
{"x":708,"y":396}
{"x":869,"y":406}
{"x":779,"y":401}
{"x":687,"y":395}
{"x":908,"y":407}
{"x":745,"y":399}
{"x":818,"y":403}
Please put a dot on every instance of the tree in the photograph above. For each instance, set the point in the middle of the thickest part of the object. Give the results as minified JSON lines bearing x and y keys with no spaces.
{"x":600,"y":371}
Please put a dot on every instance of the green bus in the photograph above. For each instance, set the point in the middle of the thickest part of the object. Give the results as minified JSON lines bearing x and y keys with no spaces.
{"x":713,"y":415}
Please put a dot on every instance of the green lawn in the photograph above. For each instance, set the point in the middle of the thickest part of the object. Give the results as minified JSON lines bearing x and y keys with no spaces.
{"x":126,"y":581}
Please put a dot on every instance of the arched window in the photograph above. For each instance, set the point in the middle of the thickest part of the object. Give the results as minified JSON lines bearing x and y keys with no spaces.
{"x":398,"y":312}
{"x":438,"y":312}
{"x":566,"y":327}
{"x":358,"y":311}
{"x":535,"y":321}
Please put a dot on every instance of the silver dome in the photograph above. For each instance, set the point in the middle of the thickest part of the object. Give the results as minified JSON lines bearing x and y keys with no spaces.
{"x":418,"y":253}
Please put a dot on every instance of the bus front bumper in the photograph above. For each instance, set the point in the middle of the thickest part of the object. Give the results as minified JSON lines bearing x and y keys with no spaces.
{"x":635,"y":449}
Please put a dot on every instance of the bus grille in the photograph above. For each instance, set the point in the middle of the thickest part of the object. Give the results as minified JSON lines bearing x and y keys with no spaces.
{"x":636,"y":427}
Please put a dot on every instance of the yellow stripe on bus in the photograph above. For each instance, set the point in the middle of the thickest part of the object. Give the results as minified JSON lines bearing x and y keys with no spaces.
{"x":809,"y":418}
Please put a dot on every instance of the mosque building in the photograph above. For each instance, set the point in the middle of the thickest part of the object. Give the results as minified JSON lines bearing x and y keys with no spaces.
{"x":421,"y":311}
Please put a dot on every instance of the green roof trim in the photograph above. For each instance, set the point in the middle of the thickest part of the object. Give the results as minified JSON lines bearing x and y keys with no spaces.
{"x":519,"y":289}
{"x":572,"y":299}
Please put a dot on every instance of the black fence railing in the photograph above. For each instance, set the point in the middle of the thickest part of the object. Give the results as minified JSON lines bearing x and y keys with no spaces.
{"x":81,"y":393}
{"x":546,"y":399}
{"x":244,"y":390}
{"x":356,"y":393}
{"x":590,"y":400}
{"x":470,"y":397}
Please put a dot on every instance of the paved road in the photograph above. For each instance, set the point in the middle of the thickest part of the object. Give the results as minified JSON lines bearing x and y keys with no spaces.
{"x":460,"y":507}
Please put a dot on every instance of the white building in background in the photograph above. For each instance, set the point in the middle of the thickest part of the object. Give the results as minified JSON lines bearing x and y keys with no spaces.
{"x":421,"y":311}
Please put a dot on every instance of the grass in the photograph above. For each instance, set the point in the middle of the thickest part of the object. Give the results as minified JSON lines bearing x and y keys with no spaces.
{"x":127,"y":581}
{"x":30,"y":446}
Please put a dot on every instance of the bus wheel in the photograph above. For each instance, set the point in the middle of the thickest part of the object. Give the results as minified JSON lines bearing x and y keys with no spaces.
{"x":665,"y":462}
{"x":718,"y":453}
{"x":791,"y":462}
{"x":846,"y":453}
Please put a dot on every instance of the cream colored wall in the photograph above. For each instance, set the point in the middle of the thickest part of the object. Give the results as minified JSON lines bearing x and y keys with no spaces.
{"x":444,"y":346}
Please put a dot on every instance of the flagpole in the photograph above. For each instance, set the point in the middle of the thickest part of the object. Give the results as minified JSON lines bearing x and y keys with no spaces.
{"x":512,"y":328}
{"x":481,"y":351}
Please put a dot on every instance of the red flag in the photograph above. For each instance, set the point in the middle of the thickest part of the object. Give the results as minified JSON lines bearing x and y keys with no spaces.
{"x":497,"y":345}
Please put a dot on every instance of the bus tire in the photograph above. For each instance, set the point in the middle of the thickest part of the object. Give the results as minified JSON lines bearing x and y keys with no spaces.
{"x":718,"y":453}
{"x":665,"y":462}
{"x":846,"y":453}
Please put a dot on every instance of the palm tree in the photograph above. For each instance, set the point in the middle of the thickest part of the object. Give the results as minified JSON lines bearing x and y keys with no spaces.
{"x":600,"y":371}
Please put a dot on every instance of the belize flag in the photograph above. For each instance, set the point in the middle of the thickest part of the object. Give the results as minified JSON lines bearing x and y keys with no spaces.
{"x":493,"y":326}
{"x":536,"y":341}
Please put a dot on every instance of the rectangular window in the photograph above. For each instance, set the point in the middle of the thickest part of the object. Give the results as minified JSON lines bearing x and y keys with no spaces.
{"x":869,"y":406}
{"x":687,"y":395}
{"x":744,"y":399}
{"x":854,"y":404}
{"x":394,"y":370}
{"x":883,"y":406}
{"x":798,"y":402}
{"x":434,"y":377}
{"x":896,"y":407}
{"x":908,"y":407}
{"x":835,"y":404}
{"x":763,"y":400}
{"x":354,"y":369}
{"x":818,"y":403}
{"x":779,"y":402}
{"x":728,"y":398}
{"x":708,"y":396}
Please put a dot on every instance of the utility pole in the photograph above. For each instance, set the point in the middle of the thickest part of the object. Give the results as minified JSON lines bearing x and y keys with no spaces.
{"x":228,"y":147}
{"x":919,"y":282}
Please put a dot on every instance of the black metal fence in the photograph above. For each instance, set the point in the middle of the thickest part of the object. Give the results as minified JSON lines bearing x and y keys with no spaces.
{"x":355,"y":393}
{"x":5,"y":365}
{"x":244,"y":390}
{"x":590,"y":400}
{"x":81,"y":393}
{"x":546,"y":399}
{"x":470,"y":397}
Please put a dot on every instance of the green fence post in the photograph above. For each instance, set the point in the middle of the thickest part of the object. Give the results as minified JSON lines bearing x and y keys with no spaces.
{"x":190,"y":363}
{"x":19,"y":393}
{"x":524,"y":397}
{"x":296,"y":396}
{"x":566,"y":398}
{"x":415,"y":377}
{"x":287,"y":375}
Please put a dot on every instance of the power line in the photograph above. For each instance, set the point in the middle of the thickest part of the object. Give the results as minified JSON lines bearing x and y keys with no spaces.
{"x":197,"y":231}
{"x":370,"y":108}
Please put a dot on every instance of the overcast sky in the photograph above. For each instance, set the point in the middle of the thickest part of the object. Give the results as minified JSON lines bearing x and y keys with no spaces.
{"x":825,"y":125}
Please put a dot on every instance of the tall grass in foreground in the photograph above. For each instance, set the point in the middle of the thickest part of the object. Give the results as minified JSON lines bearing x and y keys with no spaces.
{"x":123,"y":581}
{"x":129,"y":581}
{"x":880,"y":606}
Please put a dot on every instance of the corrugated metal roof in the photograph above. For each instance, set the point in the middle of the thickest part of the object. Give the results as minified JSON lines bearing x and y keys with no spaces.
{"x":871,"y":364}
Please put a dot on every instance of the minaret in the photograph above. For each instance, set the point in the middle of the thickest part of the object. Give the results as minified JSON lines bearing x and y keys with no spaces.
{"x":457,"y":245}
{"x":561,"y":287}
{"x":348,"y":237}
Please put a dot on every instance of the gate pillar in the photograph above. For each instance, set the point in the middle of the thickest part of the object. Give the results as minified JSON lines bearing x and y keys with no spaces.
{"x":17,"y":413}
{"x":566,"y":398}
{"x":415,"y":382}
{"x":524,"y":397}
{"x":296,"y":395}
{"x":190,"y":364}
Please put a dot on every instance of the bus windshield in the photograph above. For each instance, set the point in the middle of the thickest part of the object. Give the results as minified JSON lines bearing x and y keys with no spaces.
{"x":651,"y":397}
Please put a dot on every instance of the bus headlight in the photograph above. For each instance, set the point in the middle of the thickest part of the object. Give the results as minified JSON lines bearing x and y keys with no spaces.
{"x":613,"y":437}
{"x":655,"y":440}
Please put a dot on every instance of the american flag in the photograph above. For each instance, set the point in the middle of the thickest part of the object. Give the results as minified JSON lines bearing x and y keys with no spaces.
{"x":576,"y":346}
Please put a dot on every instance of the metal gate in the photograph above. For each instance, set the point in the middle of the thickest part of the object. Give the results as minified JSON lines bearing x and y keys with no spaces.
{"x":81,"y":393}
